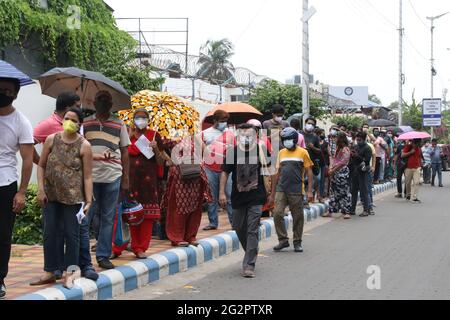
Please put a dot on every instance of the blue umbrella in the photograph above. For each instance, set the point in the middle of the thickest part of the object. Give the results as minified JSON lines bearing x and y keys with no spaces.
{"x":9,"y":71}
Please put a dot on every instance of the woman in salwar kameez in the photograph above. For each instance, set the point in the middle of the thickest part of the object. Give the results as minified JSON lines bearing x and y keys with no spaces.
{"x":143,"y":185}
{"x":184,"y":203}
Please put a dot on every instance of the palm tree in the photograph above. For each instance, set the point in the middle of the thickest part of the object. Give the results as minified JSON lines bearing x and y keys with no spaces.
{"x":215,"y":64}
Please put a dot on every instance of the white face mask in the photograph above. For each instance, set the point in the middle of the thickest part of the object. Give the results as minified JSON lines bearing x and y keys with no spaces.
{"x":222,"y":126}
{"x":279,"y":119}
{"x":141,"y":123}
{"x":289,"y":144}
{"x":246,"y":141}
{"x":309,"y":127}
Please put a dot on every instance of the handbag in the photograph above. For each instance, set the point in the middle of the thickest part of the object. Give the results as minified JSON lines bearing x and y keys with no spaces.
{"x":122,"y":235}
{"x":189,"y":170}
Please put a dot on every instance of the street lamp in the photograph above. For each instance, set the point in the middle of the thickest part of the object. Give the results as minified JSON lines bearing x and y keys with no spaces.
{"x":308,"y":12}
{"x":433,"y":70}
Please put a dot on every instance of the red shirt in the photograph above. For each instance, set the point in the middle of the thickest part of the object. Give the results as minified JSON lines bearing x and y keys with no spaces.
{"x":49,"y":126}
{"x":414,"y":160}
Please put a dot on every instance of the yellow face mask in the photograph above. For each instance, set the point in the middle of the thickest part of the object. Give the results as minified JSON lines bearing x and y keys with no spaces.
{"x":70,"y":127}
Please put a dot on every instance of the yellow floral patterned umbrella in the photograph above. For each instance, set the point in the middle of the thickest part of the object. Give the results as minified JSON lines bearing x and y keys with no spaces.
{"x":171,"y":116}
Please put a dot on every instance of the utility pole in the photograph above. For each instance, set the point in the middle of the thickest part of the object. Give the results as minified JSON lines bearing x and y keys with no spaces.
{"x":401,"y":75}
{"x":433,"y":70}
{"x":307,"y":15}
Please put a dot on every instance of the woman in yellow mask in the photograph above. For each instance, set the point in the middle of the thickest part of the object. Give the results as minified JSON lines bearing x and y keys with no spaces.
{"x":65,"y":192}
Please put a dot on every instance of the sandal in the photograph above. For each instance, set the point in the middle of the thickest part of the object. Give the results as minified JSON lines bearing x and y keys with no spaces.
{"x":183,"y":244}
{"x":43,"y":281}
{"x":140,"y":255}
{"x":347,"y":217}
{"x":328,"y":215}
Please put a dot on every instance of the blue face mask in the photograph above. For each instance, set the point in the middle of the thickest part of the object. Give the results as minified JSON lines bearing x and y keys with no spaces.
{"x":222,"y":126}
{"x":289,"y":144}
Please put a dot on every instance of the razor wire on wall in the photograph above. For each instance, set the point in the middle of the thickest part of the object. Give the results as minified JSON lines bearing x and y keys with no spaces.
{"x":165,"y":59}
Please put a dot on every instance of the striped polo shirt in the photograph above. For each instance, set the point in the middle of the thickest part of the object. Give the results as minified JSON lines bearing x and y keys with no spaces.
{"x":108,"y":136}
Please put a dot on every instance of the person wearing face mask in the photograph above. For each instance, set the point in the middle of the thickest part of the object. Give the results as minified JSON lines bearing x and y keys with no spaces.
{"x":275,"y":125}
{"x":288,"y":188}
{"x":361,"y":154}
{"x":16,"y":135}
{"x":64,"y":188}
{"x":296,"y":124}
{"x":49,"y":126}
{"x":144,"y":173}
{"x":332,"y":138}
{"x":245,"y":162}
{"x":54,"y":123}
{"x":412,"y":153}
{"x":426,"y":150}
{"x":315,"y":153}
{"x":380,"y":150}
{"x":109,"y":138}
{"x":216,"y":141}
{"x":339,"y":173}
{"x":389,"y":171}
{"x":325,"y":163}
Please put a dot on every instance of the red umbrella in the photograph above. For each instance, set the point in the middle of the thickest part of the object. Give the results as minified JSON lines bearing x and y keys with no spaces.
{"x":414,"y":135}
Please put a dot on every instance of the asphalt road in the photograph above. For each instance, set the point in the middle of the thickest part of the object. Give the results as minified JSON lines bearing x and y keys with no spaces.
{"x":408,"y":244}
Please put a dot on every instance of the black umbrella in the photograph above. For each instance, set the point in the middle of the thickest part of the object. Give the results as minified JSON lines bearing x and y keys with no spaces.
{"x":86,"y":84}
{"x":382,"y":123}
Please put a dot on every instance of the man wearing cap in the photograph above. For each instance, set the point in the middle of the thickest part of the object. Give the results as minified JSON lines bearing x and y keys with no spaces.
{"x":217,"y":140}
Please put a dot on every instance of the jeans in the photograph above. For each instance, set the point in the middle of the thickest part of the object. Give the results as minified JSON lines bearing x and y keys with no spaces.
{"x":437,"y":169}
{"x":85,"y":261}
{"x":58,"y":216}
{"x":214,"y":184}
{"x":106,"y":198}
{"x":400,"y":174}
{"x":246,"y":224}
{"x":316,"y":184}
{"x":382,"y":169}
{"x":359,"y":184}
{"x":322,"y":181}
{"x":426,"y":174}
{"x":7,"y":219}
{"x":369,"y":189}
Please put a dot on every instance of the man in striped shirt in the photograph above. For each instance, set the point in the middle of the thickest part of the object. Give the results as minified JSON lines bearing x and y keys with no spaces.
{"x":109,"y":139}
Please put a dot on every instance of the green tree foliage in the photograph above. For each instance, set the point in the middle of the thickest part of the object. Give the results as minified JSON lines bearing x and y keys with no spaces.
{"x":216,"y":66}
{"x":98,"y":44}
{"x":374,"y":98}
{"x":412,"y":115}
{"x":349,"y":120}
{"x":271,"y":92}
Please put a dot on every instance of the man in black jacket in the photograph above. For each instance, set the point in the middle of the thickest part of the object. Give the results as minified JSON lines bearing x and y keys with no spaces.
{"x":360,"y":166}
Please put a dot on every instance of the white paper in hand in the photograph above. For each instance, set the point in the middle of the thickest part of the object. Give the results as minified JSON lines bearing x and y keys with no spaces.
{"x":143,"y":144}
{"x":80,"y":214}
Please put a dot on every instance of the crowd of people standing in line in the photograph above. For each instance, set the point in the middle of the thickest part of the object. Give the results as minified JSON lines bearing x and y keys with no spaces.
{"x":90,"y":165}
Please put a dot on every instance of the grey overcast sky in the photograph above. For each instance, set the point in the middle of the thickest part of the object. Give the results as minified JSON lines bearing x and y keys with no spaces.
{"x":352,"y":42}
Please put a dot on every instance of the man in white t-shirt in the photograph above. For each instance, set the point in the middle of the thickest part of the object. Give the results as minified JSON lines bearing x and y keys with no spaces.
{"x":16,"y":135}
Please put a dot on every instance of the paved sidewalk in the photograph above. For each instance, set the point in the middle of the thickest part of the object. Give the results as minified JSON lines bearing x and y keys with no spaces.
{"x":130,"y":274}
{"x":27,"y":262}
